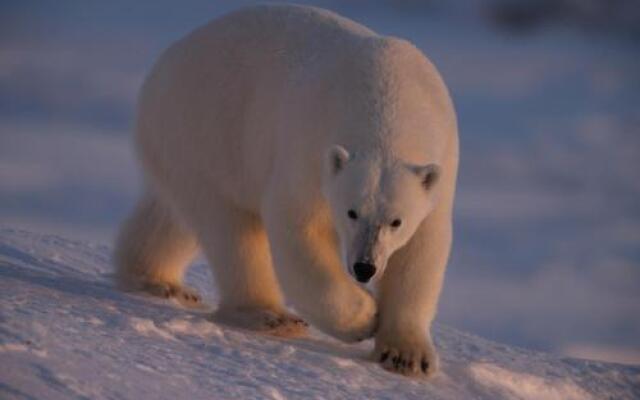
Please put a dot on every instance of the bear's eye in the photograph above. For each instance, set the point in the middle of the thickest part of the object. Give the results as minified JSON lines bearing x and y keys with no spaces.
{"x":352,"y":214}
{"x":396,"y":223}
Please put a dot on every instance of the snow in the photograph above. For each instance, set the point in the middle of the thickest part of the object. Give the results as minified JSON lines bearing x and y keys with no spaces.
{"x":67,"y":333}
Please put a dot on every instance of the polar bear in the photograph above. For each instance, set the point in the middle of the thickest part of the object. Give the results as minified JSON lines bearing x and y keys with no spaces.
{"x":308,"y":157}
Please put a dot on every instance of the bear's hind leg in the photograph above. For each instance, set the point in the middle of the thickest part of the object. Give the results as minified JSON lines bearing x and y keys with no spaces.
{"x":237,"y":249}
{"x":153,"y":250}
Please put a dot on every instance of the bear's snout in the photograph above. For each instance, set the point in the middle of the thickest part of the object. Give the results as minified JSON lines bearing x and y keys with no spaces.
{"x":364,"y":271}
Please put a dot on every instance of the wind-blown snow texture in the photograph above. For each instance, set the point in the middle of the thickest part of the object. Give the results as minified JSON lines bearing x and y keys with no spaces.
{"x":67,"y":333}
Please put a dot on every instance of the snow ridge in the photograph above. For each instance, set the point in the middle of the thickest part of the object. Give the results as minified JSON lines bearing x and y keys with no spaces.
{"x":67,"y":333}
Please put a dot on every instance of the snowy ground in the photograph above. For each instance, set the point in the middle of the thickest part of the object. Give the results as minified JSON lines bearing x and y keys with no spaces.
{"x":66,"y":333}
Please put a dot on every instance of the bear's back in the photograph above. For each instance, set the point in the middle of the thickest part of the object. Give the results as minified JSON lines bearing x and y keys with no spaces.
{"x":253,"y":89}
{"x":306,"y":24}
{"x":220,"y":87}
{"x":272,"y":32}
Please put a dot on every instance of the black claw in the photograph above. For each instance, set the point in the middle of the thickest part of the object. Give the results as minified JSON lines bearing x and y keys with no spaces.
{"x":384,"y":356}
{"x":424,"y":365}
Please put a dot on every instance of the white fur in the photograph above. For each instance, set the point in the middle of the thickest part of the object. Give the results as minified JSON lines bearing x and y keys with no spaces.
{"x":257,"y":133}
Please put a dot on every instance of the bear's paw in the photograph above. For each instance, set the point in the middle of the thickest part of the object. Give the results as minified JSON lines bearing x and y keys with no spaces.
{"x":407,"y":357}
{"x":263,"y":320}
{"x":184,"y":295}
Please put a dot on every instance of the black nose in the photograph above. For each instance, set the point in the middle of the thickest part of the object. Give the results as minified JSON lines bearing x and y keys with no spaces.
{"x":364,"y":271}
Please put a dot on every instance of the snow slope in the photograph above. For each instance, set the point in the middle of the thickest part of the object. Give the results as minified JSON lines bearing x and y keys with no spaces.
{"x":66,"y":333}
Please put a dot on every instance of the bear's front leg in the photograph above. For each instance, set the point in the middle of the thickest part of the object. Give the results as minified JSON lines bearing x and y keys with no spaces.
{"x":311,"y":275}
{"x":408,"y":298}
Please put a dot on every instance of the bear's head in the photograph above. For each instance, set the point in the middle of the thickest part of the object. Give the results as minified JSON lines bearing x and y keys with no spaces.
{"x":377,"y":206}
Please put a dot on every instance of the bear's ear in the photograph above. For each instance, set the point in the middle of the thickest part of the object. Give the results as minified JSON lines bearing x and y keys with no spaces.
{"x":337,"y":157}
{"x":428,"y":174}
